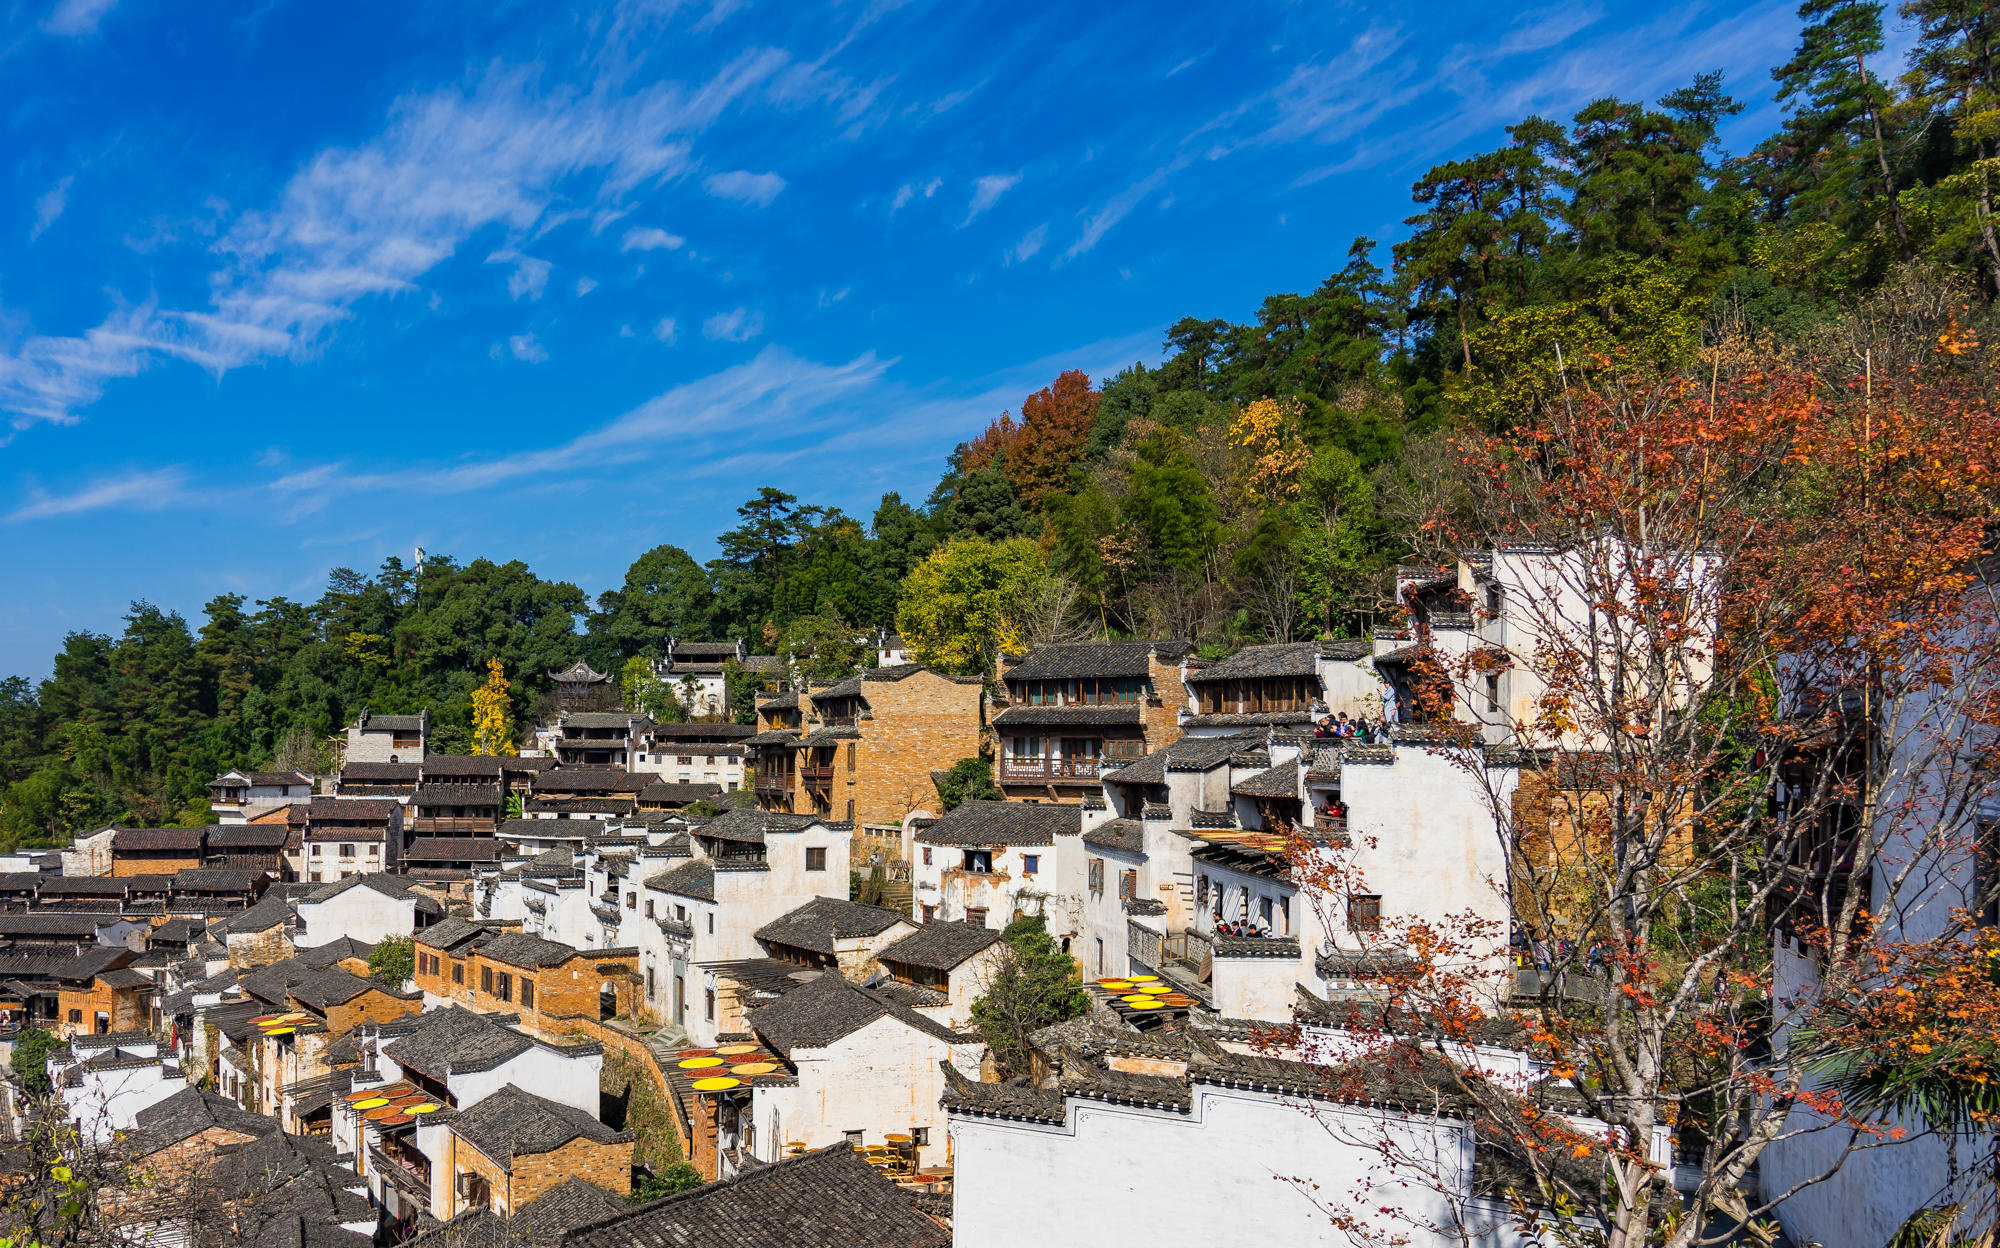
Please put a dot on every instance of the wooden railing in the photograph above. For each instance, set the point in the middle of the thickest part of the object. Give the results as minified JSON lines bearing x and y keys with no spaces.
{"x":817,"y":773}
{"x":1055,"y":769}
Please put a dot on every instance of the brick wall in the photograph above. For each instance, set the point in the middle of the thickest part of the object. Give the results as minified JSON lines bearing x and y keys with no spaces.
{"x":372,"y":1006}
{"x":249,"y":950}
{"x":1162,"y":723}
{"x":923,"y":723}
{"x":122,"y":1005}
{"x":607,"y":1165}
{"x":564,"y":992}
{"x":146,"y":864}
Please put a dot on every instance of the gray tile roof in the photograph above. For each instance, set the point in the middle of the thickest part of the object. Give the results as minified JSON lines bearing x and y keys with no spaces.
{"x":216,"y":879}
{"x":403,"y":723}
{"x":453,"y":849}
{"x":666,"y":793}
{"x":1093,"y":658}
{"x":382,"y":771}
{"x":1279,"y":781}
{"x":143,"y":840}
{"x":1299,"y":658}
{"x":451,"y":933}
{"x":1186,"y":754}
{"x":74,"y":926}
{"x":1002,"y":823}
{"x":335,"y":808}
{"x":521,"y":949}
{"x":605,"y":719}
{"x":693,"y":879}
{"x":572,"y":1203}
{"x":825,"y":1199}
{"x":590,"y":780}
{"x":1100,"y":715}
{"x":335,"y":950}
{"x":302,"y":1231}
{"x":453,"y":1038}
{"x":1248,"y":719}
{"x":829,"y":736}
{"x":437,"y":766}
{"x":941,"y":946}
{"x":752,"y":825}
{"x":513,"y":1122}
{"x":829,"y":1009}
{"x":694,"y":730}
{"x":821,"y":921}
{"x":1000,"y":1100}
{"x":188,"y":1113}
{"x":248,"y":836}
{"x":262,"y":917}
{"x":429,"y":794}
{"x":387,"y":885}
{"x":1127,"y":835}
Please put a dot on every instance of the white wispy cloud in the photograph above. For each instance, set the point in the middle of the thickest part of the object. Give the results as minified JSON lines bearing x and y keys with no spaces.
{"x":787,"y":392}
{"x":584,"y":285}
{"x":526,"y":348}
{"x":530,"y":276}
{"x":638,"y":239}
{"x":370,"y":221}
{"x":740,"y":325}
{"x":910,"y":190}
{"x":1116,"y":208}
{"x":50,"y":206}
{"x":666,"y":331}
{"x":745,"y":187}
{"x":140,"y":491}
{"x":77,"y":17}
{"x":1030,"y":243}
{"x":986,"y":192}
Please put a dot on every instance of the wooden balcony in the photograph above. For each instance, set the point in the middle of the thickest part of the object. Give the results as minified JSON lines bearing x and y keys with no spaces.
{"x":453,"y":827}
{"x":817,"y":775}
{"x":776,"y":782}
{"x":1057,"y":770}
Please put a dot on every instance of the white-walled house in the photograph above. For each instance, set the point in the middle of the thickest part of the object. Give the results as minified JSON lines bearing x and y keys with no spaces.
{"x":371,"y":907}
{"x":949,"y":965}
{"x":238,"y":796}
{"x":1194,"y":1149}
{"x":104,"y":1081}
{"x":458,"y":1058}
{"x":864,"y":1068}
{"x":988,"y":863}
{"x":734,"y":875}
{"x":375,"y":738}
{"x":1938,"y":815}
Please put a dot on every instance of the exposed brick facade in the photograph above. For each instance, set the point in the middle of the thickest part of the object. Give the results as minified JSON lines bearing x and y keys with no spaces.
{"x":915,"y":725}
{"x":556,"y":997}
{"x":607,"y":1165}
{"x":78,"y":1008}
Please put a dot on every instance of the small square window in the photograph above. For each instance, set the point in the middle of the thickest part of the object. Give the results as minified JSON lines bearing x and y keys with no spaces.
{"x":1364,"y":913}
{"x":816,"y":860}
{"x":315,"y":849}
{"x":486,"y":980}
{"x":631,"y":901}
{"x":1030,"y":863}
{"x":649,"y":907}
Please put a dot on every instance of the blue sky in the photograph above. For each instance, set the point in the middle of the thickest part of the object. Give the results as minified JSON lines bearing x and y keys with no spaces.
{"x":287,"y":286}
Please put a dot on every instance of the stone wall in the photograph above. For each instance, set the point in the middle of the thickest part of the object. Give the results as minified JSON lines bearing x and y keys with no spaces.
{"x":121,"y":1005}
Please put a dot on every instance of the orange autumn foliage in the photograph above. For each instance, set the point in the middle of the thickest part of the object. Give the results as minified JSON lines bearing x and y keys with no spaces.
{"x":1036,"y":454}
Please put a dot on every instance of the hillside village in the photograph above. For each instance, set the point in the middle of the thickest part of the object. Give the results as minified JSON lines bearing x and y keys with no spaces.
{"x":635,"y":960}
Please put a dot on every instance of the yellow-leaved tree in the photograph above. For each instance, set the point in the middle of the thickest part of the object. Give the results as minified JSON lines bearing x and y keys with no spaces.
{"x":492,"y":714}
{"x":1269,"y":430}
{"x":964,"y":604}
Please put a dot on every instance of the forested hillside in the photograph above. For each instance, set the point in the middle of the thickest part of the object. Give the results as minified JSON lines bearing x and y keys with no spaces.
{"x":1257,"y":485}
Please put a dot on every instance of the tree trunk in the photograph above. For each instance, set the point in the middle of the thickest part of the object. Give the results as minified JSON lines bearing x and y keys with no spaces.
{"x":1882,"y":159}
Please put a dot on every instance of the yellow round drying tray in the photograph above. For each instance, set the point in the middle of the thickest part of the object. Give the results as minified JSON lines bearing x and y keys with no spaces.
{"x":701,"y":1063}
{"x":718,"y":1084}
